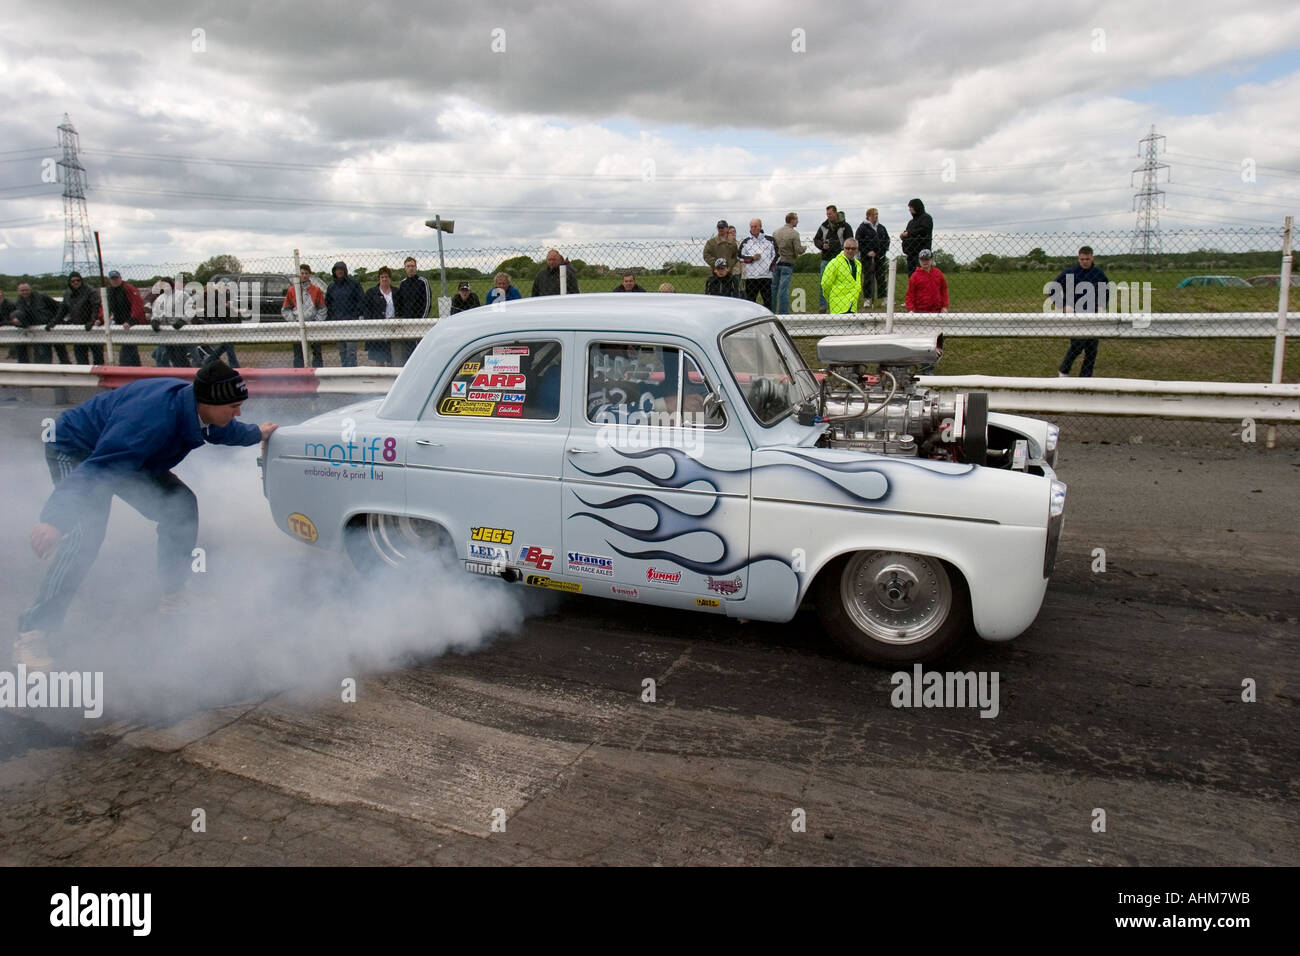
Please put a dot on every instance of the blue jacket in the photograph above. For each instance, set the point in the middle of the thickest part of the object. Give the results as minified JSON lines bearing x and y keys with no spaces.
{"x":149,"y":425}
{"x":343,"y":298}
{"x":494,"y":293}
{"x":1092,"y":277}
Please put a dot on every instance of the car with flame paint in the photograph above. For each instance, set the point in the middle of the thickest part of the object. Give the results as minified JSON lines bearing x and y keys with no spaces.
{"x":677,"y":450}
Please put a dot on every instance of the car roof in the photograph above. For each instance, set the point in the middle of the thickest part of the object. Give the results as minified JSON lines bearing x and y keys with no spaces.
{"x":697,"y":316}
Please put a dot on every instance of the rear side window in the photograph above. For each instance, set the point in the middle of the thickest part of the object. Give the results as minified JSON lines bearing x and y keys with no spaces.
{"x":513,"y":380}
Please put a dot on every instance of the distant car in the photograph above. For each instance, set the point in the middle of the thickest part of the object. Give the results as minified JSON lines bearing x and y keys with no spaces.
{"x":543,"y":442}
{"x":258,"y":295}
{"x":1272,"y":280}
{"x":1237,"y":282}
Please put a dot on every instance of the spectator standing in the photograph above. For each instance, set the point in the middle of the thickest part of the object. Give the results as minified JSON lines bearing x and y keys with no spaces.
{"x":464,"y":299}
{"x":758,"y":255}
{"x":502,"y":289}
{"x":414,"y":299}
{"x":125,"y":307}
{"x":722,"y":282}
{"x":927,"y":289}
{"x":873,"y":247}
{"x":78,"y":308}
{"x":628,"y":284}
{"x":918,"y":235}
{"x":218,"y":309}
{"x":842,"y":279}
{"x":343,"y":301}
{"x":313,"y":310}
{"x":721,"y":247}
{"x":789,"y":247}
{"x":1081,"y":288}
{"x":125,"y":442}
{"x":547,"y":280}
{"x":37,"y":310}
{"x":168,"y":303}
{"x":829,"y":239}
{"x":380,"y":305}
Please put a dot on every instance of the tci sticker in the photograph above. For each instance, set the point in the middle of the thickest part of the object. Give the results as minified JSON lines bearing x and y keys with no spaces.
{"x":540,"y":581}
{"x":302,"y":526}
{"x":707,"y":602}
{"x":541,"y":558}
{"x":457,"y":406}
{"x":495,"y":535}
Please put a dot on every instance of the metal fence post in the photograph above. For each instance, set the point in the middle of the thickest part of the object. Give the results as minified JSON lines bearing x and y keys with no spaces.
{"x":889,"y":294}
{"x":1283,"y":303}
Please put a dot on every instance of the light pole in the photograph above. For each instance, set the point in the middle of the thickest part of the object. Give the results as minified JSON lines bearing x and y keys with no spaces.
{"x":440,"y":225}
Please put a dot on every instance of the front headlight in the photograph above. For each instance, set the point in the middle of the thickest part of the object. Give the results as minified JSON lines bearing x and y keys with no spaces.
{"x":1055,"y":522}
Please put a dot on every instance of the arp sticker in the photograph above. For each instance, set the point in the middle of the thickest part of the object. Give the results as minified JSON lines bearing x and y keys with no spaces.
{"x":469,"y":368}
{"x":458,"y":389}
{"x":707,"y":602}
{"x":509,"y":410}
{"x":459,"y":406}
{"x":301,"y":526}
{"x":495,"y":535}
{"x":540,"y":581}
{"x":510,"y":380}
{"x":540,"y":558}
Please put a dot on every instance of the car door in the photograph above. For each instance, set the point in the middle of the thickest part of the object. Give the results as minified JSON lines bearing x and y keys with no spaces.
{"x":656,"y":487}
{"x":484,"y":459}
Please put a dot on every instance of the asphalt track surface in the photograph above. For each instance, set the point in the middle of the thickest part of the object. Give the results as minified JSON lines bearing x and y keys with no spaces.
{"x":1125,"y":696}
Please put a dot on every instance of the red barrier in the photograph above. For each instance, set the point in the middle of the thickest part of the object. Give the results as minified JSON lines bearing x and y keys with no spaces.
{"x":261,"y":381}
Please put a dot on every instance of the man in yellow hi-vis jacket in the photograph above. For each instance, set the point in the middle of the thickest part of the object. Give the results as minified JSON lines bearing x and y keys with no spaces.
{"x":842,"y":280}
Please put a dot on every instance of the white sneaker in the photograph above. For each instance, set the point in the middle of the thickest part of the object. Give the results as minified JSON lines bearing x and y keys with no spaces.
{"x":30,"y":650}
{"x":1061,"y":375}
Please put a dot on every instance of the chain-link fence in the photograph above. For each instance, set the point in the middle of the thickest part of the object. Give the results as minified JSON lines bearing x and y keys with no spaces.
{"x":1183,"y":305}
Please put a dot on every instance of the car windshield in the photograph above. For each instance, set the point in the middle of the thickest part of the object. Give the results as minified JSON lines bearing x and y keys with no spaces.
{"x":768,"y":370}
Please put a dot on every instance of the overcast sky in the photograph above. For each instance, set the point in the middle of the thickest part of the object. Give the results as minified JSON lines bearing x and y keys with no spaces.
{"x":255,"y":128}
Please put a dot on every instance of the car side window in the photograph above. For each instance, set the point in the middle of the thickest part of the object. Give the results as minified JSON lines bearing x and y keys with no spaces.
{"x":634,"y":384}
{"x":516,"y":380}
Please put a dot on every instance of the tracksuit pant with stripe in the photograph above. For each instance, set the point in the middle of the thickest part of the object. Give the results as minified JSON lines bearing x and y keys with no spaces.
{"x":159,"y":496}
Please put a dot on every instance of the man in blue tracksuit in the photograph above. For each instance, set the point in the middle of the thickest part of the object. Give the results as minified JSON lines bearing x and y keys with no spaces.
{"x":1080,"y":288}
{"x":125,"y":442}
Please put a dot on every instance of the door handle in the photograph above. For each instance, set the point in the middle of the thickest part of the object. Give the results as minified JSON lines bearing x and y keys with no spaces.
{"x":580,"y":451}
{"x":428,"y":444}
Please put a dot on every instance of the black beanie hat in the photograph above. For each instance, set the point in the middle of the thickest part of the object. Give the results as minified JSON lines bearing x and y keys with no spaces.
{"x":218,"y":384}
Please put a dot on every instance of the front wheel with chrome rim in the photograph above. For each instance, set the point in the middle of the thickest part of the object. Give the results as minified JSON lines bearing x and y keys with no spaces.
{"x":893,"y":607}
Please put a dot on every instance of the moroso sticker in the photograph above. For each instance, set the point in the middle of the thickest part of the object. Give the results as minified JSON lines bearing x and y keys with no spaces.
{"x":727,"y":586}
{"x":458,"y":406}
{"x":540,"y":581}
{"x":511,"y":380}
{"x":655,"y":576}
{"x":488,"y":552}
{"x":458,"y":389}
{"x":513,"y":397}
{"x":495,"y":535}
{"x":469,"y":368}
{"x":300,"y":525}
{"x":484,"y":396}
{"x":707,"y":602}
{"x":541,"y":558}
{"x":510,"y":350}
{"x":509,"y":410}
{"x":580,"y":563}
{"x":622,"y":591}
{"x":477,"y":567}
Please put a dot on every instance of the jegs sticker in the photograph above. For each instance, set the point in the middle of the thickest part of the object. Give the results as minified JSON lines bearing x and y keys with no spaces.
{"x":495,"y":535}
